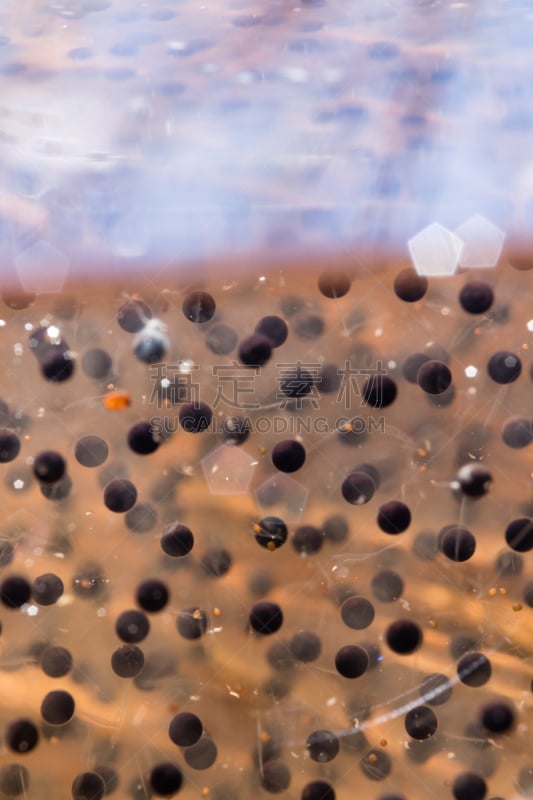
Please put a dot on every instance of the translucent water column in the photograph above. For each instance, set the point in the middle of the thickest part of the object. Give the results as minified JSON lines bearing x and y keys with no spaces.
{"x":265,"y":402}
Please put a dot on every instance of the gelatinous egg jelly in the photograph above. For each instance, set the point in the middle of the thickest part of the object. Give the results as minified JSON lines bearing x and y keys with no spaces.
{"x":268,"y":535}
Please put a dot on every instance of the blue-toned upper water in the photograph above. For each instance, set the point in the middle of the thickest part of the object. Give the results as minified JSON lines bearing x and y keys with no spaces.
{"x":145,"y":132}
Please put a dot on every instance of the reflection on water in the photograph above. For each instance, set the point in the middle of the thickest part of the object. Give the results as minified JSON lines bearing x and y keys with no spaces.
{"x":175,"y":131}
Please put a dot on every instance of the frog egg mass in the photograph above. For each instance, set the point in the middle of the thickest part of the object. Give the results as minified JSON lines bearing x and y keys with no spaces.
{"x":150,"y":647}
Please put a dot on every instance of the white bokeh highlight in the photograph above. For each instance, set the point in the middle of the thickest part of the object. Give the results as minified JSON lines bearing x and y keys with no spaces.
{"x":435,"y":250}
{"x":483,"y":242}
{"x":42,"y":268}
{"x":228,"y":470}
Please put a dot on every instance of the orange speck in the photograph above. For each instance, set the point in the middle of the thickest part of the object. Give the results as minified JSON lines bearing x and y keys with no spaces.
{"x":517,"y":607}
{"x":421,"y":452}
{"x":271,"y":546}
{"x":383,"y":743}
{"x":117,"y":401}
{"x":262,"y":450}
{"x":264,"y":737}
{"x":492,"y":591}
{"x":372,"y":757}
{"x":256,"y":528}
{"x":525,"y":347}
{"x":217,"y":612}
{"x":206,"y":791}
{"x":503,"y":590}
{"x":173,"y":708}
{"x":423,"y":468}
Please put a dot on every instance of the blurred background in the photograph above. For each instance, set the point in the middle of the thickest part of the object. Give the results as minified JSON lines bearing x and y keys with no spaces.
{"x":157,"y":132}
